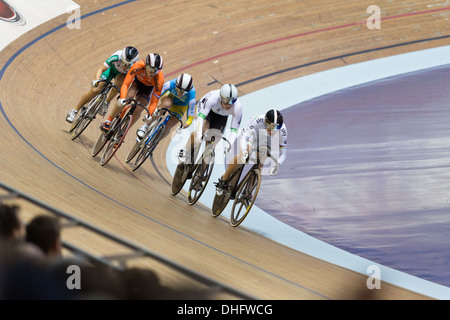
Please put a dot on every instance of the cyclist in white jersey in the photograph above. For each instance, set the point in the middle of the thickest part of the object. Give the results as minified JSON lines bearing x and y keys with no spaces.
{"x":115,"y":67}
{"x":214,"y":108}
{"x":266,"y":129}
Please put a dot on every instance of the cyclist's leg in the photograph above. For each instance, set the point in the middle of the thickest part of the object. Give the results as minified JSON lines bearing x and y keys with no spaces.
{"x":118,"y":80}
{"x":143,"y":95}
{"x":179,"y":110}
{"x":92,"y":92}
{"x":192,"y":145}
{"x":114,"y":109}
{"x":85,"y":98}
{"x":164,"y":102}
{"x":88,"y":95}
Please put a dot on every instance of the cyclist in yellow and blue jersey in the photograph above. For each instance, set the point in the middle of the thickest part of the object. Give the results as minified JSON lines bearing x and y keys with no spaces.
{"x":178,"y":95}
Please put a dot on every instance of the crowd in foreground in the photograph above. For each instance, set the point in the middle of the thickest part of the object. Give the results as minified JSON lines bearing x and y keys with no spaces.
{"x":33,"y":266}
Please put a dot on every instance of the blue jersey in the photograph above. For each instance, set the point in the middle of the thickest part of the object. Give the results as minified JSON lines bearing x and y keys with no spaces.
{"x":188,"y":99}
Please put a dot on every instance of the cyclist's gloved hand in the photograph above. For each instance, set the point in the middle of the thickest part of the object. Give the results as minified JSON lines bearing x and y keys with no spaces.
{"x":155,"y":113}
{"x":244,"y":156}
{"x":179,"y":130}
{"x":147,"y":119}
{"x":227,"y":149}
{"x":95,"y":83}
{"x":274,"y":170}
{"x":197,"y":139}
{"x":120,"y":102}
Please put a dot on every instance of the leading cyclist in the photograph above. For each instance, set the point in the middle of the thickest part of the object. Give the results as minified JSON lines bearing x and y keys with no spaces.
{"x":178,"y":96}
{"x":115,"y":67}
{"x":262,"y":130}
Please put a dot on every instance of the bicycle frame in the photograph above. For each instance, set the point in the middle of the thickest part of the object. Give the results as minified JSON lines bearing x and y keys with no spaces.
{"x":152,"y":139}
{"x":119,"y":129}
{"x":163,"y":123}
{"x":93,"y":107}
{"x":203,"y":167}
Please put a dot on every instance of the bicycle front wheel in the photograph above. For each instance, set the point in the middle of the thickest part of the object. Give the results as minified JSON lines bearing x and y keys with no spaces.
{"x":245,"y":197}
{"x":117,"y":138}
{"x":200,"y":177}
{"x":87,"y":116}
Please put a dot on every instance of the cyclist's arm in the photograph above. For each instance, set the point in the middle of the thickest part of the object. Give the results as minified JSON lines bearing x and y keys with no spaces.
{"x":128,"y":80}
{"x":282,"y":144}
{"x":235,"y":122}
{"x":246,"y":140}
{"x":156,"y":92}
{"x":204,"y":107}
{"x":100,"y":71}
{"x":191,"y":109}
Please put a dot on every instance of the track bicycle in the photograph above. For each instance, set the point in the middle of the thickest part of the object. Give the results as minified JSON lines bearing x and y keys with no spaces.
{"x":88,"y":112}
{"x":145,"y":147}
{"x":202,"y":169}
{"x":244,"y":192}
{"x":199,"y":171}
{"x":115,"y":136}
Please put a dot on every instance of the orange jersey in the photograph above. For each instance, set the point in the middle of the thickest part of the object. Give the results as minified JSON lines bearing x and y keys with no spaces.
{"x":157,"y":82}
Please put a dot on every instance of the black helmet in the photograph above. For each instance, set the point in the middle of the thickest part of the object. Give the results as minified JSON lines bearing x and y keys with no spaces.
{"x":129,"y":56}
{"x":274,"y":119}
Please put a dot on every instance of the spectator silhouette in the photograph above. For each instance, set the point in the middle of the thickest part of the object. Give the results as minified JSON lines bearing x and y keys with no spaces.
{"x":11,"y":227}
{"x":45,"y":232}
{"x":140,"y":284}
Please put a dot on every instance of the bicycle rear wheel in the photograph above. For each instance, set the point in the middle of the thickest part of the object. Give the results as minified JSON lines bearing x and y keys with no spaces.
{"x":149,"y":148}
{"x":137,"y":146}
{"x":87,"y":116}
{"x":200,"y":177}
{"x":117,"y":138}
{"x":245,"y":197}
{"x":179,"y":177}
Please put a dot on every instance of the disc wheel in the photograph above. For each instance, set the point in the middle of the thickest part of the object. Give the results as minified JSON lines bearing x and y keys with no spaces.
{"x":180,"y":177}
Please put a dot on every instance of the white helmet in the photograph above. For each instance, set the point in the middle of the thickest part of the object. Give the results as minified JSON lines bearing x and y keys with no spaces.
{"x":228,"y":94}
{"x":184,"y":82}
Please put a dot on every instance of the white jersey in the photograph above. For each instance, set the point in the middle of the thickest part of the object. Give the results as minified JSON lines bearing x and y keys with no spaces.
{"x":254,"y":133}
{"x":211,"y":102}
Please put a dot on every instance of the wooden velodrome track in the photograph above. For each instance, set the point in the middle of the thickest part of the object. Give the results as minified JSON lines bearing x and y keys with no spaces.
{"x":236,"y":41}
